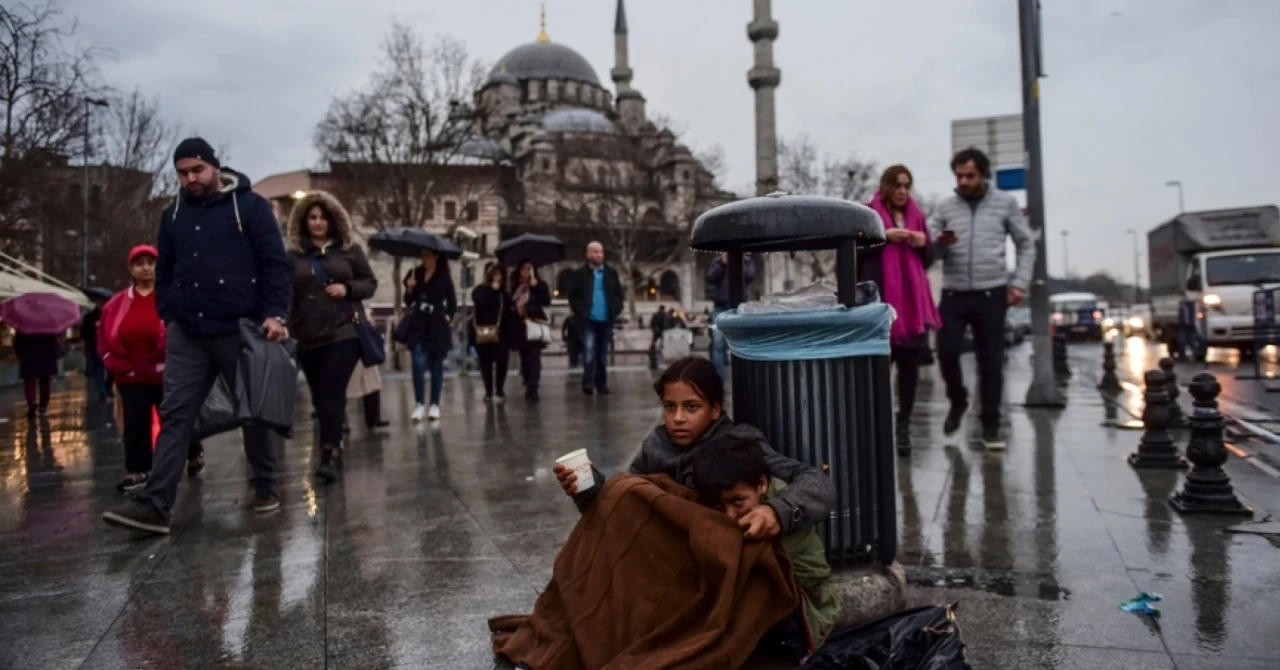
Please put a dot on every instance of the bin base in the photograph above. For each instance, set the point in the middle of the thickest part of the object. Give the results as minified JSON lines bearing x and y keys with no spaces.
{"x":870,"y":591}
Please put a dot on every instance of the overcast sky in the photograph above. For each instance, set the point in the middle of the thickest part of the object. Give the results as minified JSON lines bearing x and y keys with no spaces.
{"x":1139,"y":92}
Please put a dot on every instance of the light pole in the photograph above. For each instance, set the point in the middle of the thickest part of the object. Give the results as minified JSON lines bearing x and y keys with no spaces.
{"x":1133,"y":233}
{"x":1182,"y":206}
{"x":89,"y":103}
{"x":1044,"y":391}
{"x":1066,"y":261}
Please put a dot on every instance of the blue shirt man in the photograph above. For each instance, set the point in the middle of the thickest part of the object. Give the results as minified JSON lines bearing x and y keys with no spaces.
{"x":599,"y":300}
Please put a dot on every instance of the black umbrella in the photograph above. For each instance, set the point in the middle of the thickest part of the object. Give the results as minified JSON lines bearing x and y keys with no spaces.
{"x":540,"y":249}
{"x":410,"y":242}
{"x":98,"y":292}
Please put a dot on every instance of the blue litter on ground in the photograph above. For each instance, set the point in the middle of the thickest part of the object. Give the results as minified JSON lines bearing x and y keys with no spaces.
{"x":1142,"y":604}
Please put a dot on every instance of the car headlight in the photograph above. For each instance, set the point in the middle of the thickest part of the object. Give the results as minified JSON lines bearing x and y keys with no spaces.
{"x":1136,"y":323}
{"x":1108,"y":323}
{"x":1212,"y":301}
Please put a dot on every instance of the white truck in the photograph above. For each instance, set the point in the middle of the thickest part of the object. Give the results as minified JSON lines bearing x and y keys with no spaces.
{"x":1216,"y":260}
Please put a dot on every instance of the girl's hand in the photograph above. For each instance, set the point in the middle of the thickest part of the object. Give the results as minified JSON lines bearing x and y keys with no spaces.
{"x":336,"y":291}
{"x":917,"y":240}
{"x":897,"y":235}
{"x":410,"y":283}
{"x":533,"y":281}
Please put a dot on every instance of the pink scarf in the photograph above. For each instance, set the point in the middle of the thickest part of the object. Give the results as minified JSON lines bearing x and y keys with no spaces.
{"x":906,"y":286}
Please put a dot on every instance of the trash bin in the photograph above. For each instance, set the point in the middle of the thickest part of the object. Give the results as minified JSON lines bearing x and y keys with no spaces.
{"x":816,"y":382}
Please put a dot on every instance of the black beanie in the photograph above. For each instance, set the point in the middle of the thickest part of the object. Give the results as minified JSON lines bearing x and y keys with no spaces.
{"x":196,"y":147}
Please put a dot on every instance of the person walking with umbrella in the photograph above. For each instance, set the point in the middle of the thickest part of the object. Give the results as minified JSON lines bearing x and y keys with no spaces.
{"x":432,"y":302}
{"x":131,"y":344}
{"x":529,"y":299}
{"x":331,"y":276}
{"x":38,"y":321}
{"x":490,"y":327}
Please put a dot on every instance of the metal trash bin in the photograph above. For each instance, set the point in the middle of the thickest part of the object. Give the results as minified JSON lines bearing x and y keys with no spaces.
{"x":827,"y":407}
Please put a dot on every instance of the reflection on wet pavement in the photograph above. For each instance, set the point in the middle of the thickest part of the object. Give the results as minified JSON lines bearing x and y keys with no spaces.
{"x":431,"y":532}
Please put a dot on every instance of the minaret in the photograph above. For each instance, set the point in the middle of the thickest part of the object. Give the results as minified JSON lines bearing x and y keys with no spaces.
{"x":621,"y":68}
{"x":764,"y":77}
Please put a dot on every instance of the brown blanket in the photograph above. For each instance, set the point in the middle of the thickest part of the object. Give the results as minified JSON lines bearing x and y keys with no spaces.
{"x":651,"y":579}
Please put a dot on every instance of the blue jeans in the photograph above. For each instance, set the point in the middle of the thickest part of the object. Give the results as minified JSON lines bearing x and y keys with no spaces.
{"x":595,"y":354}
{"x":421,"y":361}
{"x":719,"y":348}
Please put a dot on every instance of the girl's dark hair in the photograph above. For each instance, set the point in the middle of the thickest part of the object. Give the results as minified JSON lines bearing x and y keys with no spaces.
{"x":725,"y":462}
{"x":496,"y":269}
{"x":697,"y":372}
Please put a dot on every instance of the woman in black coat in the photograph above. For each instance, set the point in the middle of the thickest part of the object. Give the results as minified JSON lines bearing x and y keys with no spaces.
{"x":529,"y":299}
{"x":432,"y":302}
{"x":37,"y":366}
{"x":493,"y":312}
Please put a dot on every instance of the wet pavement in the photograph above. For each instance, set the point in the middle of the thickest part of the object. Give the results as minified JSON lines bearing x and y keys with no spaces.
{"x":431,"y":532}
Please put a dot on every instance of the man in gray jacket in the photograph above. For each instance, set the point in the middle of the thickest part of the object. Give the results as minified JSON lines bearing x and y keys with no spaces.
{"x":970,"y":228}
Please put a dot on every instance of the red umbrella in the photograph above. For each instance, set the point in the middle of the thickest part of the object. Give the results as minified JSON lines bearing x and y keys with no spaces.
{"x":40,"y":313}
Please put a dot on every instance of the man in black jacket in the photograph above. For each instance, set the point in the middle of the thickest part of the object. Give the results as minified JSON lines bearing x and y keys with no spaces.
{"x":595,"y":299}
{"x":222,"y":258}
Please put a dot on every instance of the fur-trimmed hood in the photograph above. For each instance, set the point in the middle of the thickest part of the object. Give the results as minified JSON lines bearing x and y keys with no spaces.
{"x":298,"y":219}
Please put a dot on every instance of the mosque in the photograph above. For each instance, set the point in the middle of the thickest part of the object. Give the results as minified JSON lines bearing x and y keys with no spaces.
{"x":560,"y":153}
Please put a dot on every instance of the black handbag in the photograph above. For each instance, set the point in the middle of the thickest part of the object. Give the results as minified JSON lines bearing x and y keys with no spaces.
{"x":373,"y":349}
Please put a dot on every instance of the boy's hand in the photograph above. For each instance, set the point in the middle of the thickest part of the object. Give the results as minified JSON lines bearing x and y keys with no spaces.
{"x":760,"y":523}
{"x":568,"y":479}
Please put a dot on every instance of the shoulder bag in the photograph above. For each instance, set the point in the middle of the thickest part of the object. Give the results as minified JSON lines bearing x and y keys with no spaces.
{"x":489,"y":334}
{"x":373,"y":349}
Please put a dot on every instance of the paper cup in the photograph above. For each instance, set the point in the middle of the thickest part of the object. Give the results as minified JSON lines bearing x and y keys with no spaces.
{"x":578,"y":462}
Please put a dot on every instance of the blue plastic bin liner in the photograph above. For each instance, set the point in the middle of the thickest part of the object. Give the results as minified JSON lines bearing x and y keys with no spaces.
{"x":808,"y":335}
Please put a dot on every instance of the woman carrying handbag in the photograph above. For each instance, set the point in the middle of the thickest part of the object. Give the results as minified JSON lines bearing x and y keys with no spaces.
{"x":529,"y":299}
{"x":489,"y":326}
{"x":331,"y":275}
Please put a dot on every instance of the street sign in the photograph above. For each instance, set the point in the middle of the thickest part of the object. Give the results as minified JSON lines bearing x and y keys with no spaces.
{"x":999,"y":137}
{"x":1011,"y":179}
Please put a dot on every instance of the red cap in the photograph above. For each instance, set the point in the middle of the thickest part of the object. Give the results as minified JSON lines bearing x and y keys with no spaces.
{"x":143,"y":250}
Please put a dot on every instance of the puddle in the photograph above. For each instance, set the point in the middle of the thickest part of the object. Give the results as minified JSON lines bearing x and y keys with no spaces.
{"x":1040,"y":587}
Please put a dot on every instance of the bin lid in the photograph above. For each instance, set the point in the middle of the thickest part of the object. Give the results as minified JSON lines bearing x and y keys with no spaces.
{"x":783,"y":222}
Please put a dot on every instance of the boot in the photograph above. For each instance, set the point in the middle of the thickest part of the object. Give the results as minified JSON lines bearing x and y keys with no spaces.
{"x":330,"y":462}
{"x":903,"y":434}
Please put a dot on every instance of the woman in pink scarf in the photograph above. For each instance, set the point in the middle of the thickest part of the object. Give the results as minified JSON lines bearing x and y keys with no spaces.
{"x":898,"y":269}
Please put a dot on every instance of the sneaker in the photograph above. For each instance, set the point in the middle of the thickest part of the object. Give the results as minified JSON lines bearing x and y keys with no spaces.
{"x":137,"y":516}
{"x":195,"y":464}
{"x":330,"y":461}
{"x":433,"y":414}
{"x":499,"y":399}
{"x":532,"y":395}
{"x":132,"y":482}
{"x":903,"y":438}
{"x":419,"y":413}
{"x":265,"y":500}
{"x":954,"y":415}
{"x":991,"y":439}
{"x":488,"y":400}
{"x":379,"y":423}
{"x":587,"y":390}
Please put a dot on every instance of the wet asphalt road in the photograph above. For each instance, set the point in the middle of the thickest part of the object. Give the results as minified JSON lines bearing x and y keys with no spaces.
{"x":431,"y":532}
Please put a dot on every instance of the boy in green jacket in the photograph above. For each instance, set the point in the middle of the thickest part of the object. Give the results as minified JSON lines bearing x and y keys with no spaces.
{"x":731,"y":475}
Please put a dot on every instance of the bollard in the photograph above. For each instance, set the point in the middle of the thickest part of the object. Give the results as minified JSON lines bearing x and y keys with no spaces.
{"x":1177,"y":419}
{"x":1156,"y":450}
{"x":1207,"y":488}
{"x":1060,"y":365}
{"x":1110,"y":382}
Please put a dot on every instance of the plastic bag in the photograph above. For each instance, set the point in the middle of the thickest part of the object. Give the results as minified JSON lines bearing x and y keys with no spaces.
{"x":924,"y":638}
{"x":809,"y":335}
{"x":263,"y":392}
{"x":820,"y":295}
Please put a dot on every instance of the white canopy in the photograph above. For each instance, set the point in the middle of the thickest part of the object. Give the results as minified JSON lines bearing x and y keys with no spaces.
{"x":18,"y":278}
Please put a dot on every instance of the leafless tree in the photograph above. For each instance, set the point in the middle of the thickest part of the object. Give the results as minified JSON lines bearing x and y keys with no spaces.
{"x":621,"y":191}
{"x":44,"y":78}
{"x":394,"y":143}
{"x":801,"y":169}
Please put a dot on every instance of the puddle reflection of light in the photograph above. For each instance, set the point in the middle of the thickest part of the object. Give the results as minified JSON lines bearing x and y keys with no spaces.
{"x":310,"y":495}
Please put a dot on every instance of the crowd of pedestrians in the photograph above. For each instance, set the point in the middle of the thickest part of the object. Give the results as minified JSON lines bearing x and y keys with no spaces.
{"x":163,"y":342}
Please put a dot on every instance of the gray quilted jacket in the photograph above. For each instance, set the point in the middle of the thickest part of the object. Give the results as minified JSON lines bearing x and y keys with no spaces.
{"x":977,"y":261}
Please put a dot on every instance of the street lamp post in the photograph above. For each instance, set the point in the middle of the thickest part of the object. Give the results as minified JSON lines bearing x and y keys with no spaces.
{"x":1066,"y":260}
{"x":1044,"y":391}
{"x":1133,"y":233}
{"x":89,"y":103}
{"x":1182,"y":206}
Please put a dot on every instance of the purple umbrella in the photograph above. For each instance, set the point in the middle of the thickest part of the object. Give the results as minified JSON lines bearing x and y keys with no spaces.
{"x":40,"y":313}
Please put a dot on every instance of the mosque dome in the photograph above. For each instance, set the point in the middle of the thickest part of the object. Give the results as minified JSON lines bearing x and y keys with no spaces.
{"x":543,"y":60}
{"x":577,"y":120}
